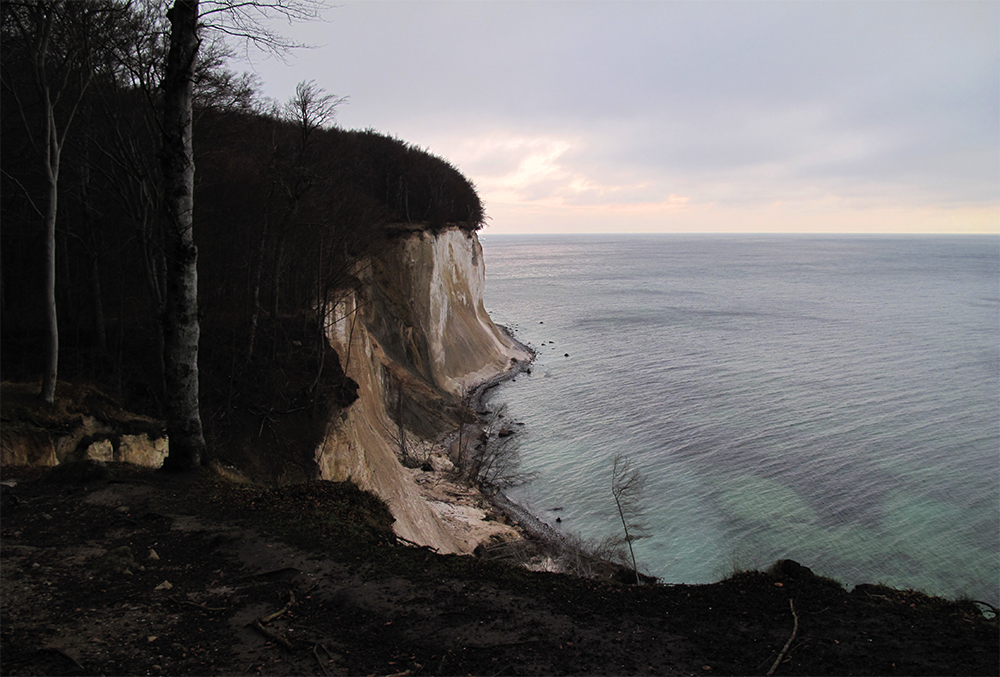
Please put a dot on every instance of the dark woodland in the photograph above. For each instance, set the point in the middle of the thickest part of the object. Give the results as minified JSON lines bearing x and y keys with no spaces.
{"x":287,"y":208}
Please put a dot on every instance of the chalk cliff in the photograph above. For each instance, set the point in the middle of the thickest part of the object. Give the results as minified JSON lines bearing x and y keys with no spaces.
{"x":415,"y":336}
{"x":412,"y":334}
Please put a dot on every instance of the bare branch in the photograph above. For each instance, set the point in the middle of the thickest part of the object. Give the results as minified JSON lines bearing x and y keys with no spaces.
{"x":247,"y":21}
{"x":25,"y":191}
{"x":627,"y":485}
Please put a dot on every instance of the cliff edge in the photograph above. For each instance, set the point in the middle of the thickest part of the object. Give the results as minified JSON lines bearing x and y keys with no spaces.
{"x":415,"y":336}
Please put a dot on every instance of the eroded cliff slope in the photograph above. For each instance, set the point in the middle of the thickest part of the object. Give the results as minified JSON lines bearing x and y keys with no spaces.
{"x":415,"y":336}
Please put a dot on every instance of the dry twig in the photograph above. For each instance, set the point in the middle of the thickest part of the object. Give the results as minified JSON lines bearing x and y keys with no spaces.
{"x":320,"y":660}
{"x":784,"y":650}
{"x":291,"y":600}
{"x":277,"y":639}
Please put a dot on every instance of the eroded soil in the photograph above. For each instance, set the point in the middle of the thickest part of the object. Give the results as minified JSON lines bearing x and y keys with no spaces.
{"x":308,"y":580}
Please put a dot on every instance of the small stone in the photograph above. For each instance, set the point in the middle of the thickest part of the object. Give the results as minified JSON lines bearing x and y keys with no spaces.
{"x":122,"y":509}
{"x":151,"y":638}
{"x":47,"y":516}
{"x":165,"y":585}
{"x":153,"y":555}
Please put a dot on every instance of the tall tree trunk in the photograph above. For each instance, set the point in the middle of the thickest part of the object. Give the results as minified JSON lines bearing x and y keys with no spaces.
{"x":180,"y":323}
{"x":51,"y":368}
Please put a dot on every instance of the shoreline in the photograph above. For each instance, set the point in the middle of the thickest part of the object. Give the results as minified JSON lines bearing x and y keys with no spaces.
{"x":471,"y":515}
{"x":526,"y":522}
{"x":484,"y":521}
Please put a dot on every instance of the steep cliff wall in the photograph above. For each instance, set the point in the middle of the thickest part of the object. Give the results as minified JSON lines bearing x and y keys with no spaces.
{"x":415,"y":336}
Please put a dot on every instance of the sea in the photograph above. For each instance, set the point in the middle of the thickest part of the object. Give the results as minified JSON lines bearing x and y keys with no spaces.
{"x":834,"y":400}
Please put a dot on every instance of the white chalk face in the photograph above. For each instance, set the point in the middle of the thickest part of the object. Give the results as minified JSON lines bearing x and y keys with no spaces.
{"x":667,"y":116}
{"x":428,"y":322}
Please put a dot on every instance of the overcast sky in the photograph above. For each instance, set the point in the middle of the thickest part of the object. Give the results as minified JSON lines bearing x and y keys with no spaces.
{"x":681,"y":116}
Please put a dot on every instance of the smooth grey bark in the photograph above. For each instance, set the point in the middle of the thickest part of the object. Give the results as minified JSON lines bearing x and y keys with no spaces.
{"x":53,"y":151}
{"x":181,"y":326}
{"x":47,"y":28}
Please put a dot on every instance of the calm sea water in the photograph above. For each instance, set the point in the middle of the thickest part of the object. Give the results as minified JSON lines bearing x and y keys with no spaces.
{"x":833,"y":400}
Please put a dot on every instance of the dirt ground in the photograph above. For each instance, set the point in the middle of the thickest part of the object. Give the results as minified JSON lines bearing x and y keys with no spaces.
{"x":124,"y":571}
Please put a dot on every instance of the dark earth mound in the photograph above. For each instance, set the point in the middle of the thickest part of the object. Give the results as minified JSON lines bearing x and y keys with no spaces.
{"x":121,"y":571}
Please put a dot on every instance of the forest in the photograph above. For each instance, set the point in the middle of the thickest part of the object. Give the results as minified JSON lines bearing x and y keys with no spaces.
{"x":287,"y":208}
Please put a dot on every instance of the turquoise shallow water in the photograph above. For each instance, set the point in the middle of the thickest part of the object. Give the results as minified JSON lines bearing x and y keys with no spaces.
{"x":835,"y":400}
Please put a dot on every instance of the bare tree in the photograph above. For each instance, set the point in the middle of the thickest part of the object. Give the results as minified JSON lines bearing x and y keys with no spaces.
{"x":398,"y":434}
{"x":494,"y":462}
{"x":309,"y":110}
{"x":181,"y":325}
{"x":60,"y":39}
{"x":627,"y":486}
{"x":466,"y":415}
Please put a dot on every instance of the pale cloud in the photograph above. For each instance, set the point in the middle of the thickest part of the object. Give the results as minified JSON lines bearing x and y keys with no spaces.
{"x":720,"y":116}
{"x":540,"y":170}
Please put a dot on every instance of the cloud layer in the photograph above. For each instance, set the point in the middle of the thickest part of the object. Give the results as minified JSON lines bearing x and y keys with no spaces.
{"x":683,"y":115}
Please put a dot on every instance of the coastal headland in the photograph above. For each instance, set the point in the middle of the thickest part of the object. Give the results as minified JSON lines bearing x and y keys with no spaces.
{"x":362,"y":563}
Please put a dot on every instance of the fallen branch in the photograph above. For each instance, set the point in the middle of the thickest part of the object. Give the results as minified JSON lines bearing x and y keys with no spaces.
{"x":291,"y":601}
{"x":784,"y":650}
{"x":278,"y":639}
